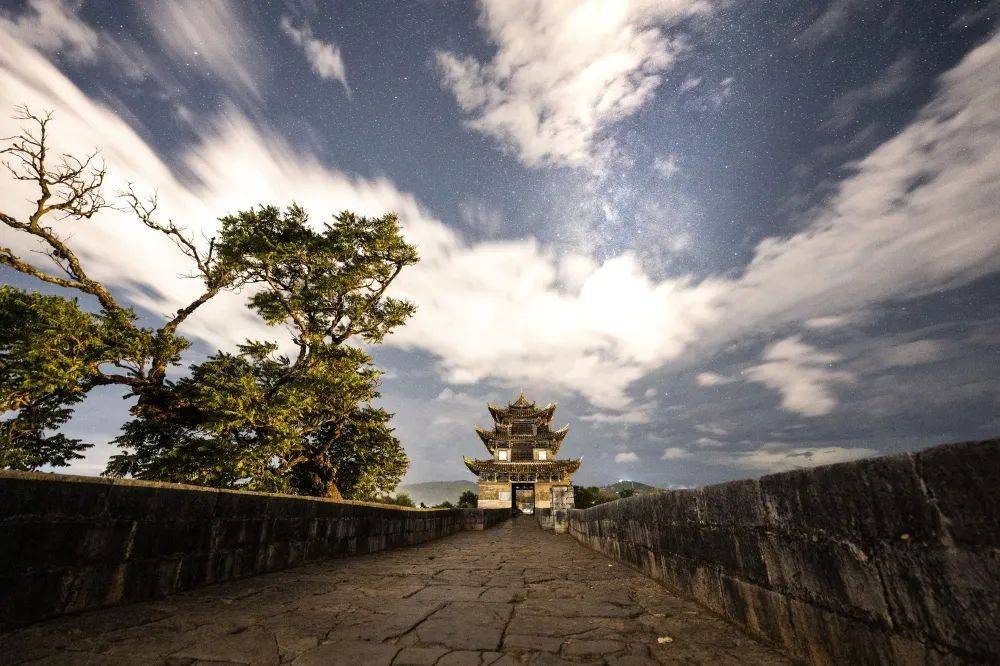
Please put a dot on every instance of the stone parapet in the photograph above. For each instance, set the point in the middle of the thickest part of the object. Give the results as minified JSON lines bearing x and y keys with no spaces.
{"x":72,"y":543}
{"x":886,"y":560}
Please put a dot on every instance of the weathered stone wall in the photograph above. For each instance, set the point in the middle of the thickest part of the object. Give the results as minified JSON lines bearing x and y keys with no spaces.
{"x":73,"y":543}
{"x":889,"y":560}
{"x":544,"y":517}
{"x":489,"y":495}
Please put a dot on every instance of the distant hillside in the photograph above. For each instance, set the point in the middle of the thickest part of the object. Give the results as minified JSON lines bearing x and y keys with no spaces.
{"x":435,"y":492}
{"x":636,"y":486}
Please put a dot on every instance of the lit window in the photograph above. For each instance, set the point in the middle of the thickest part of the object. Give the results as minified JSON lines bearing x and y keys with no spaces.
{"x":542,"y":455}
{"x":502,"y":455}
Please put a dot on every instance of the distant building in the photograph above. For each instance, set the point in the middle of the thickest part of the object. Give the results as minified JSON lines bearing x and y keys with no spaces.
{"x":523,"y":472}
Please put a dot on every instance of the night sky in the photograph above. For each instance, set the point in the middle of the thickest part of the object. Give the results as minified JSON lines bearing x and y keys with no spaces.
{"x":727,"y":238}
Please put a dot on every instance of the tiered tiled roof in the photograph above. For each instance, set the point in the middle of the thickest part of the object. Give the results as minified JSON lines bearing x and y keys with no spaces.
{"x":522,"y":427}
{"x":533,"y":467}
{"x":549,"y":439}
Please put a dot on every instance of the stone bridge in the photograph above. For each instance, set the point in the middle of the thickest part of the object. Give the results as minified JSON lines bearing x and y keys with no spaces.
{"x":887,"y":560}
{"x":499,"y":596}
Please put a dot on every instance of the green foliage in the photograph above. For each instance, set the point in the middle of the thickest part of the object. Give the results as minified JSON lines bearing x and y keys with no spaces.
{"x":468,"y":500}
{"x":402,"y":499}
{"x":588,"y":496}
{"x":626,"y":492}
{"x":330,"y":283}
{"x":267,"y":421}
{"x":444,"y":505}
{"x":256,"y":418}
{"x":51,"y":353}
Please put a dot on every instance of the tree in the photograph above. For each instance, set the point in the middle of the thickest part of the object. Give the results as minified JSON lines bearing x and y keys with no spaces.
{"x":588,"y":496}
{"x":254,"y":418}
{"x":468,"y":500}
{"x":402,"y":499}
{"x":626,"y":492}
{"x":50,"y":355}
{"x":92,"y":350}
{"x":281,"y":423}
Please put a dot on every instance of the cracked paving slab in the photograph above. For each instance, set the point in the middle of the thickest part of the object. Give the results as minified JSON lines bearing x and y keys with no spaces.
{"x":513,"y":594}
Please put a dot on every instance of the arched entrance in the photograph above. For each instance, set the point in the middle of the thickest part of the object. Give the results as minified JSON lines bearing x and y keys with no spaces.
{"x":523,"y":498}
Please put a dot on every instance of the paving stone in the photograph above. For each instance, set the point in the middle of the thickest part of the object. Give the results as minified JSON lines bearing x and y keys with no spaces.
{"x":253,"y":645}
{"x":348,"y":653}
{"x":585,"y":648}
{"x":465,"y":625}
{"x":532,"y":643}
{"x":419,"y":656}
{"x":462,"y":658}
{"x":513,"y":594}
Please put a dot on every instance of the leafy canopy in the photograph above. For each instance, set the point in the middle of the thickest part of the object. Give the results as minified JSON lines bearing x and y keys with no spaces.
{"x":297,"y":422}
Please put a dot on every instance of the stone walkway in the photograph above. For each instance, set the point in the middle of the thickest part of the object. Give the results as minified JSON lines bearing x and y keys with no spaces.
{"x":511,"y":594}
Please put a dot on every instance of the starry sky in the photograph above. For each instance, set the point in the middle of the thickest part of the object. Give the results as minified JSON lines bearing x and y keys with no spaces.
{"x":728,"y":238}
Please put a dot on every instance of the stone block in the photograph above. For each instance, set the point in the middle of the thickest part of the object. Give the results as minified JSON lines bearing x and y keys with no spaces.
{"x":867,"y":501}
{"x":48,"y":495}
{"x":963,"y":482}
{"x":949,"y":595}
{"x":835,"y":574}
{"x":737,"y":503}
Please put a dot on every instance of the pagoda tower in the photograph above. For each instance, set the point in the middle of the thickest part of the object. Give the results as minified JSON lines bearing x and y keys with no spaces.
{"x":523,"y":470}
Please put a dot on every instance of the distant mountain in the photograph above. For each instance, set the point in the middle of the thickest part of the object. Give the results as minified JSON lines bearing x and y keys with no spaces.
{"x":636,"y":486}
{"x":435,"y":492}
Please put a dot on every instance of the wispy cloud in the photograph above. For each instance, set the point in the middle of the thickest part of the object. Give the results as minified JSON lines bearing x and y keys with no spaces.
{"x":213,"y":38}
{"x":626,"y":457}
{"x":886,"y":85}
{"x":324,"y":57}
{"x":802,"y":375}
{"x":563,"y":72}
{"x":770,"y":459}
{"x":581,"y":325}
{"x":674,"y":453}
{"x":912,"y":353}
{"x":713,"y":379}
{"x":54,"y":27}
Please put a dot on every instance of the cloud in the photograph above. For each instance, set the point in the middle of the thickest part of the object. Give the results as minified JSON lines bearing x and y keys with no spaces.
{"x":54,"y":27}
{"x":886,"y":85}
{"x":562,"y":320}
{"x":770,"y":460}
{"x":637,"y":414}
{"x":828,"y":322}
{"x":213,"y":36}
{"x":828,"y":23}
{"x":666,"y":166}
{"x":930,"y":192}
{"x":917,"y":352}
{"x":453,"y":397}
{"x":674,"y":453}
{"x":626,"y":457}
{"x":802,"y":376}
{"x":713,"y":379}
{"x":690,"y":83}
{"x":323,"y":57}
{"x":563,"y":72}
{"x":712,"y":429}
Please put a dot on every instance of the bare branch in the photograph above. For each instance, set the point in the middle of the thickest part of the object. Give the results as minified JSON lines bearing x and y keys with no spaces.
{"x":71,"y":187}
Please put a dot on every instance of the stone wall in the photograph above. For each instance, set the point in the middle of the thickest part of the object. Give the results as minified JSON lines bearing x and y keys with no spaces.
{"x":544,"y":517}
{"x":489,"y":495}
{"x":889,"y":560}
{"x":72,"y":543}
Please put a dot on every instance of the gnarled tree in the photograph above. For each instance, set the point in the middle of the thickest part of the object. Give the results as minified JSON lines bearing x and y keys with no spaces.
{"x":256,"y":418}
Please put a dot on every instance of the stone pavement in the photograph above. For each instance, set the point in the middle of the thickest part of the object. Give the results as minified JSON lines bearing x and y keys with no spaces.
{"x":511,"y":594}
